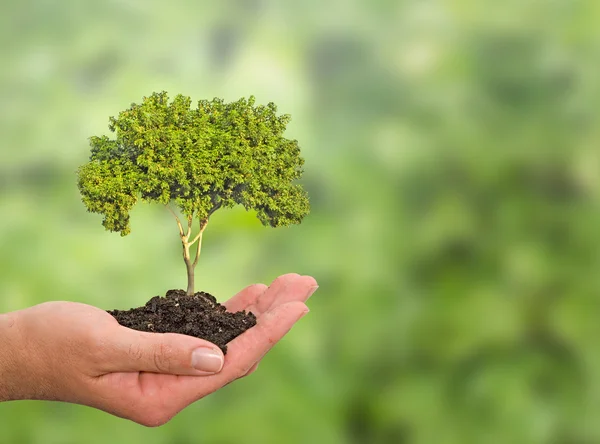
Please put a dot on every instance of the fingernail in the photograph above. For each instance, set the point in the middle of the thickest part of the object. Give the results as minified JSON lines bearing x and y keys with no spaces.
{"x":311,"y":291}
{"x":207,"y":360}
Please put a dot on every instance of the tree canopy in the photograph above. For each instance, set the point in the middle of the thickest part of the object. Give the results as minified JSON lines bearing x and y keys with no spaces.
{"x":200,"y":159}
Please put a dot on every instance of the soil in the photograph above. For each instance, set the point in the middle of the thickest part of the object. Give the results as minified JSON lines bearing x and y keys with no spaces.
{"x":199,"y":315}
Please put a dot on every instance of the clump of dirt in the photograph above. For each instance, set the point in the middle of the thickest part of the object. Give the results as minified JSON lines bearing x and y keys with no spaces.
{"x":199,"y":315}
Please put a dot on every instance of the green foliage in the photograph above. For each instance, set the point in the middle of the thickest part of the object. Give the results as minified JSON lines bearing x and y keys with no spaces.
{"x":214,"y":156}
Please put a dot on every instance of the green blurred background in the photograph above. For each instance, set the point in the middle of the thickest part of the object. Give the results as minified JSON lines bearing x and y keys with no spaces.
{"x":453,"y":166}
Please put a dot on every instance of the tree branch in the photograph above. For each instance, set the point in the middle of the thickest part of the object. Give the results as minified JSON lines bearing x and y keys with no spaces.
{"x":215,"y":208}
{"x":177,"y":219}
{"x":189,"y":230}
{"x":198,"y":248}
{"x":203,"y":224}
{"x":196,"y":238}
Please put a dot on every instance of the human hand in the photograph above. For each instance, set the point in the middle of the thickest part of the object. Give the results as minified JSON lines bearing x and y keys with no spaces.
{"x":77,"y":353}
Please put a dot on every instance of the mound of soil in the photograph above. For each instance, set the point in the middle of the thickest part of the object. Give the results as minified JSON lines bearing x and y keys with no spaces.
{"x":199,"y":315}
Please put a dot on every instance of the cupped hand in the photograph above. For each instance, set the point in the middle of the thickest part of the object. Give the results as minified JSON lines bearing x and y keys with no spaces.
{"x":77,"y":353}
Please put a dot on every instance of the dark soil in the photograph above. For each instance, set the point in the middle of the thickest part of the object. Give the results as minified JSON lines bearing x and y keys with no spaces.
{"x":199,"y":315}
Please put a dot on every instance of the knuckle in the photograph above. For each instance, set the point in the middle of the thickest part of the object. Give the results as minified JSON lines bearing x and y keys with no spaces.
{"x":241,"y":370}
{"x":163,"y":358}
{"x":252,"y":369}
{"x":135,"y":351}
{"x":280,"y":281}
{"x":248,"y":372}
{"x":258,"y":288}
{"x":254,"y":293}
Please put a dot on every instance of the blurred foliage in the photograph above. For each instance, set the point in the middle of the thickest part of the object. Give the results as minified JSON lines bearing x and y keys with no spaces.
{"x":453,"y":168}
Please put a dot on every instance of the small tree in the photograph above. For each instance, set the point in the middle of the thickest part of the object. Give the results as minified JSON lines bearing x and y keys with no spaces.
{"x":195,"y":161}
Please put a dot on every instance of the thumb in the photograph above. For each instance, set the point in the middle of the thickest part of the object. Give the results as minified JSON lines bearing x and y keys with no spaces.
{"x":168,"y":353}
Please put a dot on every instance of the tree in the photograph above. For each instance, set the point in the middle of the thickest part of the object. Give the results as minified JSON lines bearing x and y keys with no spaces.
{"x":195,"y":161}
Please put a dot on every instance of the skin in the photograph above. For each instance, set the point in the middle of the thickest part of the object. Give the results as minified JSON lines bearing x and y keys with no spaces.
{"x":70,"y":352}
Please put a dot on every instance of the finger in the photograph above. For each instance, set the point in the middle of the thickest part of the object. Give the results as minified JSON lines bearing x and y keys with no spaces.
{"x":247,"y":349}
{"x":286,"y":288}
{"x":252,"y":370}
{"x":299,"y":290}
{"x":248,"y":373}
{"x":251,"y":347}
{"x":168,"y":353}
{"x":277,"y":286}
{"x":245,"y":298}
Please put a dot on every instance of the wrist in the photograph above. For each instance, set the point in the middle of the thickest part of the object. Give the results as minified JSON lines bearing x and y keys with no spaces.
{"x":9,"y":366}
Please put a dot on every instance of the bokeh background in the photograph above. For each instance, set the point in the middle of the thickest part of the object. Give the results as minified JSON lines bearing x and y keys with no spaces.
{"x":452,"y":159}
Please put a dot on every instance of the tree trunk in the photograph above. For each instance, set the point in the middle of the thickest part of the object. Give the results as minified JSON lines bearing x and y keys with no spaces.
{"x":190,"y":277}
{"x":185,"y":242}
{"x":189,"y":265}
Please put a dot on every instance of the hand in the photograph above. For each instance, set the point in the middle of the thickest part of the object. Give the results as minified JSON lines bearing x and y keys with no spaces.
{"x":77,"y":353}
